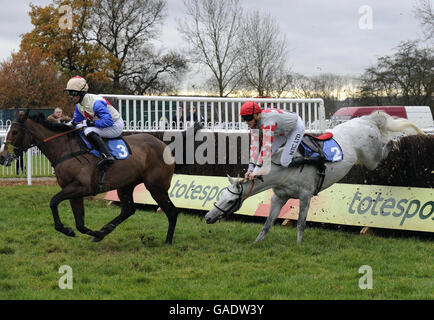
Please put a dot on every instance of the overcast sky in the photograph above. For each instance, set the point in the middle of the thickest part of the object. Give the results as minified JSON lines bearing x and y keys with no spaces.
{"x":323,"y":35}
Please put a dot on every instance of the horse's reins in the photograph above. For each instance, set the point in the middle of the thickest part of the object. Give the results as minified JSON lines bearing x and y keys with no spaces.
{"x":72,"y":155}
{"x":22,"y":125}
{"x":250,"y":190}
{"x":60,"y":134}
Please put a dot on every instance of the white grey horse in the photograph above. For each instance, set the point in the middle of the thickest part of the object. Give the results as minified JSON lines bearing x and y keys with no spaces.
{"x":366,"y":141}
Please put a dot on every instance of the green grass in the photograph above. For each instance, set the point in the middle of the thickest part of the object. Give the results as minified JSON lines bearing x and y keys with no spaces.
{"x":205,"y":262}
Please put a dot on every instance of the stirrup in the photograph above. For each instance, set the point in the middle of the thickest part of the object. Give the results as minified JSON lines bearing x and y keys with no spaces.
{"x":106,"y":160}
{"x":297,"y":161}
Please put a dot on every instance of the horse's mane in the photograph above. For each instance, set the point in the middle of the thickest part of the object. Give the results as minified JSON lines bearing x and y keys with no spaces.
{"x":51,"y":125}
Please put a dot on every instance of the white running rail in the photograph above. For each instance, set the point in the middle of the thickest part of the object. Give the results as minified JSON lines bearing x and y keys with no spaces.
{"x":151,"y":113}
{"x":148,"y":113}
{"x":32,"y":164}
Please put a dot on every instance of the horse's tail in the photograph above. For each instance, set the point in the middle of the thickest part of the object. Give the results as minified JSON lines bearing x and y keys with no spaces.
{"x":386,"y":123}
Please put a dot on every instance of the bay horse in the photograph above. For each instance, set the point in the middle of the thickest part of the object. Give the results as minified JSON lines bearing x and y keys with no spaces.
{"x":78,"y":176}
{"x":366,"y":141}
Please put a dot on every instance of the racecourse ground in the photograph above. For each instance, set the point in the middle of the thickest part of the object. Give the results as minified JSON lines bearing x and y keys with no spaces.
{"x":205,"y":262}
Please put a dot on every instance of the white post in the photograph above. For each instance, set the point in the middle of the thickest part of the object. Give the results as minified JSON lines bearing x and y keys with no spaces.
{"x":29,"y":166}
{"x":321,"y":115}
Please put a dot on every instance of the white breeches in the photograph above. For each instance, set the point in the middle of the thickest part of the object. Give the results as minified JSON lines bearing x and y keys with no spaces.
{"x":108,"y":132}
{"x":291,"y":143}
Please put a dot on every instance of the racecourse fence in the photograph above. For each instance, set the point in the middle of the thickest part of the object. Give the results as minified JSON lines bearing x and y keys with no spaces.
{"x":4,"y":125}
{"x":152,"y":113}
{"x":156,"y":113}
{"x":30,"y":164}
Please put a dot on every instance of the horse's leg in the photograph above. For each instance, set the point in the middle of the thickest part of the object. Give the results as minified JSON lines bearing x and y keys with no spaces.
{"x":172,"y":216}
{"x":77,"y":207}
{"x":302,"y":215}
{"x":126,"y":197}
{"x":276,"y":206}
{"x":161,"y":196}
{"x":71,"y":191}
{"x":58,"y":225}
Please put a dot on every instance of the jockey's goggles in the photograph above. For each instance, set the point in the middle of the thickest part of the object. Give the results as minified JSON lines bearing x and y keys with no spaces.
{"x":247,"y":117}
{"x":74,"y":93}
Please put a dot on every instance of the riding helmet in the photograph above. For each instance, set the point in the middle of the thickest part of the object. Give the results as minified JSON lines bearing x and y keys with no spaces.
{"x":250,"y":108}
{"x":78,"y":84}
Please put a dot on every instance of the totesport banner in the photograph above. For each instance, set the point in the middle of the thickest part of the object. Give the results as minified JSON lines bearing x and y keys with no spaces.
{"x":347,"y":204}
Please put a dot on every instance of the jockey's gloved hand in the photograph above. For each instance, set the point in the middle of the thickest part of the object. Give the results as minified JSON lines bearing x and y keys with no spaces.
{"x":248,"y":174}
{"x":81,"y":125}
{"x":261,"y":170}
{"x":89,"y":123}
{"x":70,"y":124}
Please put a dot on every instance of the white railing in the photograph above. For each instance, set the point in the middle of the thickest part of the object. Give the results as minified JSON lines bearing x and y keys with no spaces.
{"x":31,"y":164}
{"x":4,"y":125}
{"x":151,"y":113}
{"x":148,"y":113}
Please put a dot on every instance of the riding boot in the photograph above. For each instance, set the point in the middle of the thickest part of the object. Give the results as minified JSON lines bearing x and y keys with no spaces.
{"x":96,"y":140}
{"x":297,"y":161}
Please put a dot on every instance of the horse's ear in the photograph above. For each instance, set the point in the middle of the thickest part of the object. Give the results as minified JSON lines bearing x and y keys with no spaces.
{"x":16,"y":114}
{"x":231,"y":181}
{"x":26,"y":115}
{"x":21,"y":116}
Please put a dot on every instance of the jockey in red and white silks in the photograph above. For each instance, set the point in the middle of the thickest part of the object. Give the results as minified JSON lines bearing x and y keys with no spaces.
{"x":279,"y":127}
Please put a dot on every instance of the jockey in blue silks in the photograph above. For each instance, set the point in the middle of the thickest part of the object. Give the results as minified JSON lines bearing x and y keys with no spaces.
{"x":96,"y":115}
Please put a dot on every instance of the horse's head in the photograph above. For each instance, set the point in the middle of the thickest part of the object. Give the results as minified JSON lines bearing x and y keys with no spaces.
{"x":17,"y":139}
{"x":231,"y":199}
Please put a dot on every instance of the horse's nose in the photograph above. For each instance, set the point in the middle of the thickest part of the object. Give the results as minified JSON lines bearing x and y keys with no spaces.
{"x":209,"y":219}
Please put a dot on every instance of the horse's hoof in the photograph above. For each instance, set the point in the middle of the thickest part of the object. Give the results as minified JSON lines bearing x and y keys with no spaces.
{"x":66,"y":231}
{"x":97,"y":236}
{"x":260,"y":237}
{"x":69,"y":232}
{"x":95,"y":239}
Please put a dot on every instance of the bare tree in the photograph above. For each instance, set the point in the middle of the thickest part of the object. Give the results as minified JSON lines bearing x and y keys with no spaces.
{"x":406,"y":77}
{"x":425,"y":13}
{"x":264,"y":55}
{"x":280,"y":83}
{"x":156,"y":73}
{"x":327,"y":86}
{"x":211,"y":29}
{"x":123,"y":27}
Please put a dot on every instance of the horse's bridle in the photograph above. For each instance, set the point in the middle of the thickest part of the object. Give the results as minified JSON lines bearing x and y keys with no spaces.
{"x":37,"y":144}
{"x":239,"y":200}
{"x":19,"y":143}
